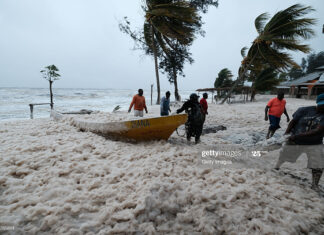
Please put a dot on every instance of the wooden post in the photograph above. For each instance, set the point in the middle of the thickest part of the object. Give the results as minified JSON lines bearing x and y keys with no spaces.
{"x":151,"y":94}
{"x":31,"y":106}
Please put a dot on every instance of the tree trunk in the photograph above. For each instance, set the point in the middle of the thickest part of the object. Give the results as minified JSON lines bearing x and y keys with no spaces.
{"x":237,"y":81}
{"x":176,"y":92}
{"x":51,"y":93}
{"x":156,"y":67}
{"x":253,"y":93}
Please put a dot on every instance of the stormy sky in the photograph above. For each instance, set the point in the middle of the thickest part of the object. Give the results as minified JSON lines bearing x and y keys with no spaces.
{"x":82,"y":38}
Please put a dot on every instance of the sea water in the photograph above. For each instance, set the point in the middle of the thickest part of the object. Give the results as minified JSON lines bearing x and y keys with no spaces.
{"x":14,"y":102}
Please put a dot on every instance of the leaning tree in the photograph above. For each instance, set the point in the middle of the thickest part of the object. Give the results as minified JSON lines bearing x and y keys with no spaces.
{"x":169,"y":27}
{"x":165,"y":21}
{"x":50,"y":74}
{"x":284,"y":32}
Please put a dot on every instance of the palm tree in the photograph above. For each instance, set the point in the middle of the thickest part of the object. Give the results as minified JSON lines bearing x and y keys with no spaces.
{"x":264,"y":80}
{"x":282,"y":33}
{"x":165,"y":21}
{"x":224,"y":78}
{"x":50,"y":74}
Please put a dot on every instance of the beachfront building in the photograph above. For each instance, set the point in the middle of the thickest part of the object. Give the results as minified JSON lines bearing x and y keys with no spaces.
{"x":219,"y":93}
{"x":308,"y":86}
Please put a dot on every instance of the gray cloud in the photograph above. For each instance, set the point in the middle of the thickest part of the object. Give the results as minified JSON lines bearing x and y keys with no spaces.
{"x":82,"y":38}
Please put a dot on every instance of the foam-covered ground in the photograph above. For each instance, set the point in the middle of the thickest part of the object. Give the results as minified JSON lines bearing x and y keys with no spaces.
{"x":56,"y":179}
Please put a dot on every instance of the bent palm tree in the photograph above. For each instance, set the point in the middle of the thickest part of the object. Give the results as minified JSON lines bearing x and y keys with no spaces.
{"x":282,"y":33}
{"x":224,"y":78}
{"x":167,"y":20}
{"x":263,"y":80}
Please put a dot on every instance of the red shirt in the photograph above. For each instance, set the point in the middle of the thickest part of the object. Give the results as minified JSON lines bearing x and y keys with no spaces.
{"x":204,"y":105}
{"x":138,"y":102}
{"x":277,"y":107}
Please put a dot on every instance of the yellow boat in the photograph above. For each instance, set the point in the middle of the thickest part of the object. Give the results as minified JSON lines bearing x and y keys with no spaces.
{"x":160,"y":128}
{"x":146,"y":129}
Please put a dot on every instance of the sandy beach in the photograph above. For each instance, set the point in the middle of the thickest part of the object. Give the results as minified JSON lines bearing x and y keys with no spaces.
{"x":57,"y":179}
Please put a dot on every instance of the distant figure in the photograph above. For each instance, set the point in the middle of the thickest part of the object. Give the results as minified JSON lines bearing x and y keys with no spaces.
{"x":307,"y":131}
{"x":195,"y":122}
{"x":165,"y":104}
{"x":276,"y":107}
{"x":139,"y":104}
{"x":204,"y":105}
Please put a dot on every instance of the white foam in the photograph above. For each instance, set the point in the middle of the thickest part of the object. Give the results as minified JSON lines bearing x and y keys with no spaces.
{"x":56,"y":179}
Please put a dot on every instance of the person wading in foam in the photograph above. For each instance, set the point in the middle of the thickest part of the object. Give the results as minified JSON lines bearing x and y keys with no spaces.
{"x":276,"y":107}
{"x":307,"y":131}
{"x":165,"y":104}
{"x":195,"y":121}
{"x":139,"y":104}
{"x":204,"y":105}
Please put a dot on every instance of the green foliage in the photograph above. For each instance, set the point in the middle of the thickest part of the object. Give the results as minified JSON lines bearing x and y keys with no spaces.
{"x":173,"y":64}
{"x":203,"y":5}
{"x":308,"y":65}
{"x":175,"y":23}
{"x":314,"y":61}
{"x":295,"y":73}
{"x":170,"y":21}
{"x":50,"y":73}
{"x":224,"y":79}
{"x":266,"y":80}
{"x":284,"y":32}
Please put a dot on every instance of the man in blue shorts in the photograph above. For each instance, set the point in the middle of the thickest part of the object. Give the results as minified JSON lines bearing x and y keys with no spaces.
{"x":276,"y":107}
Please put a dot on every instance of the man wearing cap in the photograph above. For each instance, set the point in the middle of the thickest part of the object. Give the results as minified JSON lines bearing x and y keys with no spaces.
{"x":195,"y":122}
{"x":276,"y":107}
{"x":307,"y":131}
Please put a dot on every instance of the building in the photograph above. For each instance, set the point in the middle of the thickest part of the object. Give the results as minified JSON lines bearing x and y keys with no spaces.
{"x":308,"y":86}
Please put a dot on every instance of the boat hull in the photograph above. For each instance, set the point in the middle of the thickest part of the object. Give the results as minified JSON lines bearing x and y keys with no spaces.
{"x":153,"y":128}
{"x":146,"y":129}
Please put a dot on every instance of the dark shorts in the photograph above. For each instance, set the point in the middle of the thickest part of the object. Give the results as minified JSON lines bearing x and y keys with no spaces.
{"x":274,"y":123}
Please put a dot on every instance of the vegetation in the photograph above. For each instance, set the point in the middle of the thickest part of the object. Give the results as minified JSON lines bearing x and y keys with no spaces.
{"x":308,"y":65}
{"x":169,"y":29}
{"x":224,"y":79}
{"x":265,"y":80}
{"x":284,"y":32}
{"x":50,"y":74}
{"x":173,"y":65}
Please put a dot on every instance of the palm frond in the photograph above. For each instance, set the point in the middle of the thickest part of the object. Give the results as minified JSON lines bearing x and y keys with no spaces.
{"x":266,"y":80}
{"x":260,"y":22}
{"x":288,"y":23}
{"x":243,"y":52}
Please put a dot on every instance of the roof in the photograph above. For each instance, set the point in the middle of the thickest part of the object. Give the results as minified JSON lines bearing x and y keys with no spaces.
{"x":207,"y":89}
{"x":223,"y":88}
{"x":320,"y":68}
{"x":304,"y":79}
